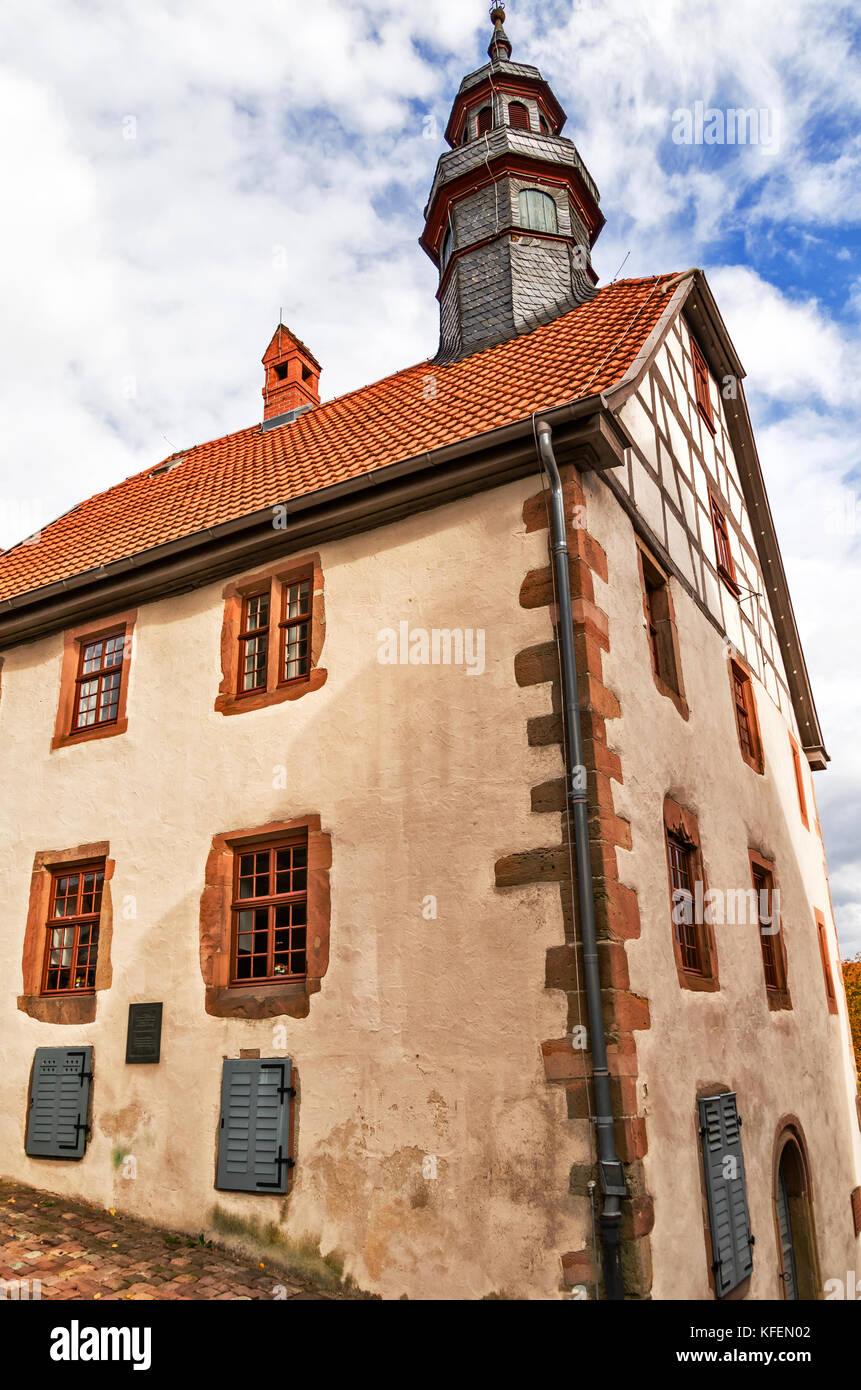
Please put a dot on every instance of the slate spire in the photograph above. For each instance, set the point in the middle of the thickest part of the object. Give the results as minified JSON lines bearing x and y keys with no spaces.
{"x":500,"y":46}
{"x":513,"y":211}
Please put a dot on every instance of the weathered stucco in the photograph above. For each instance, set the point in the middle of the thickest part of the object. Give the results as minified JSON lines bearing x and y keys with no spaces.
{"x":425,"y":1036}
{"x":434,"y":1033}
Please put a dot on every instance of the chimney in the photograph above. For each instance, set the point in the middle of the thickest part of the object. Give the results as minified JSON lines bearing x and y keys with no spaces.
{"x":292,"y":382}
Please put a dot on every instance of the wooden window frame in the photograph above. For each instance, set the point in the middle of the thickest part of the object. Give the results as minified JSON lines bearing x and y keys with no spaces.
{"x":247,"y":634}
{"x":825,"y":957}
{"x":99,"y":675}
{"x":741,"y":676}
{"x":303,"y":619}
{"x":799,"y":781}
{"x":75,"y":642}
{"x":283,"y":995}
{"x":275,"y":579}
{"x":661,"y":631}
{"x":268,"y":902}
{"x":680,"y":824}
{"x":772,"y":947}
{"x":78,"y":1006}
{"x":724,"y":562}
{"x":76,"y":922}
{"x":702,"y":384}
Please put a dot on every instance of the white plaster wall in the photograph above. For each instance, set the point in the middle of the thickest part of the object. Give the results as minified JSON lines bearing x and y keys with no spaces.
{"x":667,"y":475}
{"x":425,"y":1037}
{"x":795,"y":1062}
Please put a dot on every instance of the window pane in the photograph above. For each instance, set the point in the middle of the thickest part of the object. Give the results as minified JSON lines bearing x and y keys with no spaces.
{"x":254,"y":662}
{"x":92,"y":658}
{"x":114,"y":650}
{"x":296,"y":651}
{"x":257,"y":612}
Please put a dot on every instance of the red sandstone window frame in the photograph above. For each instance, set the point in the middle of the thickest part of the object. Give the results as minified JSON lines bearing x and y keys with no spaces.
{"x":723,"y":550}
{"x":282,"y":995}
{"x":293,"y":901}
{"x":77,"y":1006}
{"x":64,"y":932}
{"x":772,"y":945}
{"x":694,"y":947}
{"x":799,"y":781}
{"x":76,"y":642}
{"x":702,"y":384}
{"x":744,"y":712}
{"x":825,"y":957}
{"x":276,"y":581}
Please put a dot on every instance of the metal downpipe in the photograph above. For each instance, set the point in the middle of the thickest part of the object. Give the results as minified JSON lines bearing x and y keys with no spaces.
{"x":611,"y":1174}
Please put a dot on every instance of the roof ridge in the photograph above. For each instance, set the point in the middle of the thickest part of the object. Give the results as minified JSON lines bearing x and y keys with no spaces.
{"x":367,"y":428}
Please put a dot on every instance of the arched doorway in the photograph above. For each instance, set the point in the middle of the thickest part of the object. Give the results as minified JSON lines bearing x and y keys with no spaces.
{"x":796,"y":1234}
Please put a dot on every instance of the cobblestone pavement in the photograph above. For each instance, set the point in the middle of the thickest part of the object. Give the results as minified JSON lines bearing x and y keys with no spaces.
{"x":81,"y":1252}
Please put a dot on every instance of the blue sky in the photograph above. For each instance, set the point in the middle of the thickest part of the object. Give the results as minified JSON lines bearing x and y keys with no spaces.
{"x":182,"y":170}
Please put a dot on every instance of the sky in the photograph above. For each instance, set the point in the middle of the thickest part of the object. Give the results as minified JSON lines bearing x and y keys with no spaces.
{"x":178,"y":174}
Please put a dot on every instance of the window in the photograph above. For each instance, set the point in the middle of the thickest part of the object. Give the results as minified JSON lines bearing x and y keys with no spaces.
{"x":57,"y":1116}
{"x":254,"y":642}
{"x":726,"y":1191}
{"x":72,"y":942}
{"x":447,"y":248}
{"x":682,"y":872}
{"x":272,"y":636}
{"x":702,"y":385}
{"x":825,"y":956}
{"x":485,"y":120}
{"x":661,"y":631}
{"x":799,"y":782}
{"x":66,"y":956}
{"x":746,"y":722}
{"x":98,"y":681}
{"x":270,"y":912}
{"x":538,"y":211}
{"x":518,"y":116}
{"x":295,"y":625}
{"x":692,"y":935}
{"x":723,"y":553}
{"x":264,"y":919}
{"x":255,"y":1129}
{"x":544,"y":127}
{"x":771,"y":939}
{"x":94,"y":681}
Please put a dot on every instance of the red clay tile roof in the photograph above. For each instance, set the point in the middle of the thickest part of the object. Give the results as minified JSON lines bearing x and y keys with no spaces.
{"x":585,"y":351}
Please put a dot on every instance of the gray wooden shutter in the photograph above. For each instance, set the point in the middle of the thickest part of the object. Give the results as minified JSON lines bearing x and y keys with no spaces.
{"x":59,"y":1102}
{"x":729,"y":1219}
{"x":254,"y":1130}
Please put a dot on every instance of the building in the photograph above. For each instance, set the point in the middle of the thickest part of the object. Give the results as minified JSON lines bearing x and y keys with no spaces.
{"x":291,"y":767}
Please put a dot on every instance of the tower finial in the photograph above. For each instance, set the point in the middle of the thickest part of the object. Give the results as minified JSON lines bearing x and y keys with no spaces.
{"x":500,"y":47}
